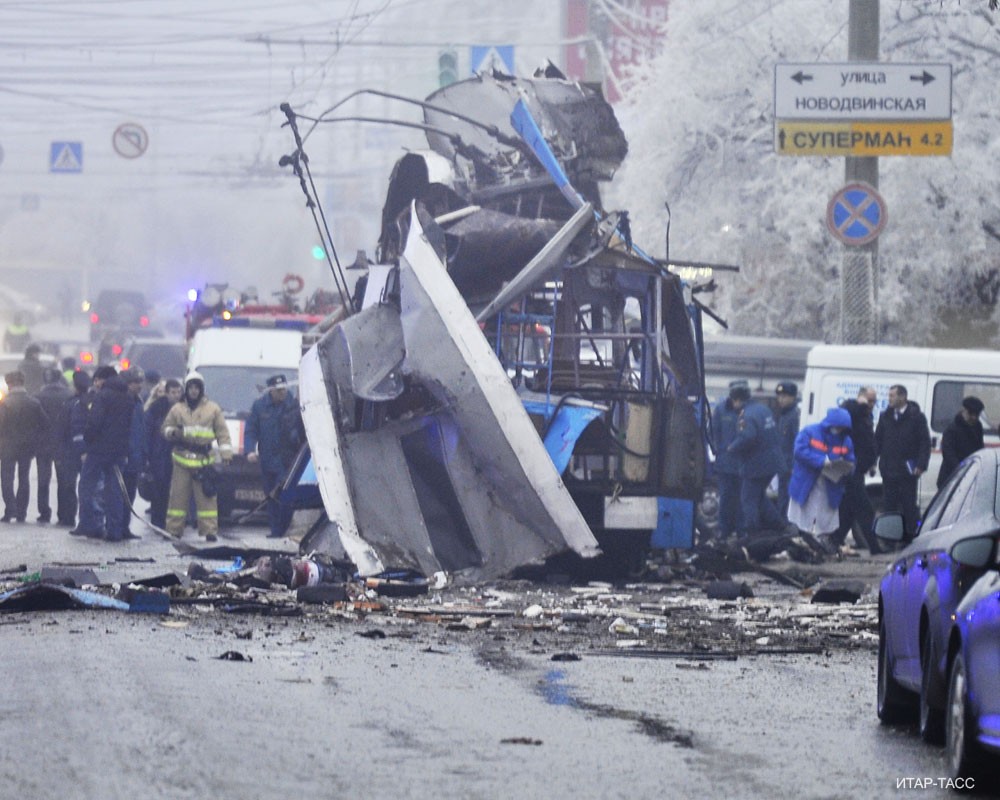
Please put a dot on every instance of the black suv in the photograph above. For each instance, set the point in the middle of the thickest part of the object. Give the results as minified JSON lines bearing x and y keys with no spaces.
{"x":117,"y":310}
{"x":166,"y":356}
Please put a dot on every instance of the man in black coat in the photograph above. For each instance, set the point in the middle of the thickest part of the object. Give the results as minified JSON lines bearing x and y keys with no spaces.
{"x":856,"y":507}
{"x":158,"y":449}
{"x":106,"y":437}
{"x":69,"y":458}
{"x":962,"y":438}
{"x":32,"y":369}
{"x":903,"y":444}
{"x":53,"y":397}
{"x":22,"y":425}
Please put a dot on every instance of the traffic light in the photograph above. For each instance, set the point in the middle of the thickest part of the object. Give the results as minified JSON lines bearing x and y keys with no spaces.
{"x":447,"y":67}
{"x":318,"y":252}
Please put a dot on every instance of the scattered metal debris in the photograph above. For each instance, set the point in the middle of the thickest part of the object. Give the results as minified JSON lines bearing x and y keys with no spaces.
{"x":234,"y":655}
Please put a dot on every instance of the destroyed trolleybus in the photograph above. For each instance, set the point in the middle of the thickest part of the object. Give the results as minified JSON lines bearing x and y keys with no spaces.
{"x":517,"y":379}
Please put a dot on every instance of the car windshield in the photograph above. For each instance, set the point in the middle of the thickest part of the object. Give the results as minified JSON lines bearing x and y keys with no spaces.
{"x":170,"y":360}
{"x":235,"y":388}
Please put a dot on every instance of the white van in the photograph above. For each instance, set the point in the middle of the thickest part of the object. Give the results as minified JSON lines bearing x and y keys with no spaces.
{"x":236,"y":363}
{"x":762,"y":362}
{"x":935,"y":379}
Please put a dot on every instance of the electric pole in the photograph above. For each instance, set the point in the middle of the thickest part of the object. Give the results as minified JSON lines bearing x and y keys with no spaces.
{"x":859,"y":271}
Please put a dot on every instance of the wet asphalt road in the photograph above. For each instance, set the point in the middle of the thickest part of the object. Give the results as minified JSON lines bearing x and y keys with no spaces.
{"x":114,"y":705}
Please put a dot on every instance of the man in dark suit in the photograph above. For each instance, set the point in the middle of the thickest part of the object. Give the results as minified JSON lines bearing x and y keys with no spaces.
{"x":903,"y":444}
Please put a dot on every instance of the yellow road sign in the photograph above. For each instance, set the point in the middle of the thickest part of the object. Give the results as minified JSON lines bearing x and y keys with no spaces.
{"x":862,"y":138}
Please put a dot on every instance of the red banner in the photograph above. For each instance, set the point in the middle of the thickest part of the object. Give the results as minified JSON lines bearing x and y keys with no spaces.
{"x":620,"y":34}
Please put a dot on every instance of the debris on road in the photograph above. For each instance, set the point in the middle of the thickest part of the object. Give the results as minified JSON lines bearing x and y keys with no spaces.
{"x":56,"y":597}
{"x":680,"y":611}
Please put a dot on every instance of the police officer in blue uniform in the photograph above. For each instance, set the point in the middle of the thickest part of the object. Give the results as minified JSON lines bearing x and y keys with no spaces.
{"x":759,"y":451}
{"x":726,"y":467}
{"x":787,"y":418}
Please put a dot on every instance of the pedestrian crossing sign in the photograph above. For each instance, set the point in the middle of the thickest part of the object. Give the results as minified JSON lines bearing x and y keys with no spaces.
{"x":66,"y":157}
{"x":487,"y":58}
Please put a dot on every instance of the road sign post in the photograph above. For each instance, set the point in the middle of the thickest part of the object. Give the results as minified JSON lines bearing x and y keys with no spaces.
{"x":859,"y":265}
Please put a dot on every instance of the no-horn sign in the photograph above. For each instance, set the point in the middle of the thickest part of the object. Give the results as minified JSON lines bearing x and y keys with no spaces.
{"x":130,"y":140}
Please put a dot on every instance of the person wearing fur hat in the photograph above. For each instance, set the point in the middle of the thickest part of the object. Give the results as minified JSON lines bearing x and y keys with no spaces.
{"x":962,"y":438}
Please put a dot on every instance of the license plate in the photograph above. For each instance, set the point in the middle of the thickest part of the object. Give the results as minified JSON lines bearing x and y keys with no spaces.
{"x":254,"y":495}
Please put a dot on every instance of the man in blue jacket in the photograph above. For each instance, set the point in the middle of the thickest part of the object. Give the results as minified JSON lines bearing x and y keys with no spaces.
{"x":273,"y":437}
{"x":759,"y":452}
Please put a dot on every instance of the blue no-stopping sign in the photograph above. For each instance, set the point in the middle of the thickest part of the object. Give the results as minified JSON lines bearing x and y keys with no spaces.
{"x":856,"y":214}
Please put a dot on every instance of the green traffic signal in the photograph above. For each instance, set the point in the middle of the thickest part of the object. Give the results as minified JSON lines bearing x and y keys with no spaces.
{"x":318,"y":252}
{"x":447,"y":67}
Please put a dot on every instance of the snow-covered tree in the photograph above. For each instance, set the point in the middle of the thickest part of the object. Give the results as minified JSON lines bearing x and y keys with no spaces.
{"x":699,"y":120}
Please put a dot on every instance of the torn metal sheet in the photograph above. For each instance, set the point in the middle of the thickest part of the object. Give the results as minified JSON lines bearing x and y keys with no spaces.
{"x":542,"y":265}
{"x":319,"y":402}
{"x":451,"y":478}
{"x":488,"y":247}
{"x":578,"y":123}
{"x":69,"y":576}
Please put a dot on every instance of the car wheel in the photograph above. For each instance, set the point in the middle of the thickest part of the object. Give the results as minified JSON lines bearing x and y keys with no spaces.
{"x":892,"y":706}
{"x":931,"y":719}
{"x":964,"y":757}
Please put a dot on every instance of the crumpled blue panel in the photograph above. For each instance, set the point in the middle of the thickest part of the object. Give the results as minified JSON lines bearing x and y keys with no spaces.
{"x":570,"y":421}
{"x":50,"y":596}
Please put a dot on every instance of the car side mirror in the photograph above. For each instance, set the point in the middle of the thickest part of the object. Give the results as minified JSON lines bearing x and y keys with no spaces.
{"x":890,"y":527}
{"x":977,"y":552}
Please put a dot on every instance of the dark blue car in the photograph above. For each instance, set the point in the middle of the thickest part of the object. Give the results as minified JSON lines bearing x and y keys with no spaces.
{"x":973,"y":710}
{"x":921,"y":591}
